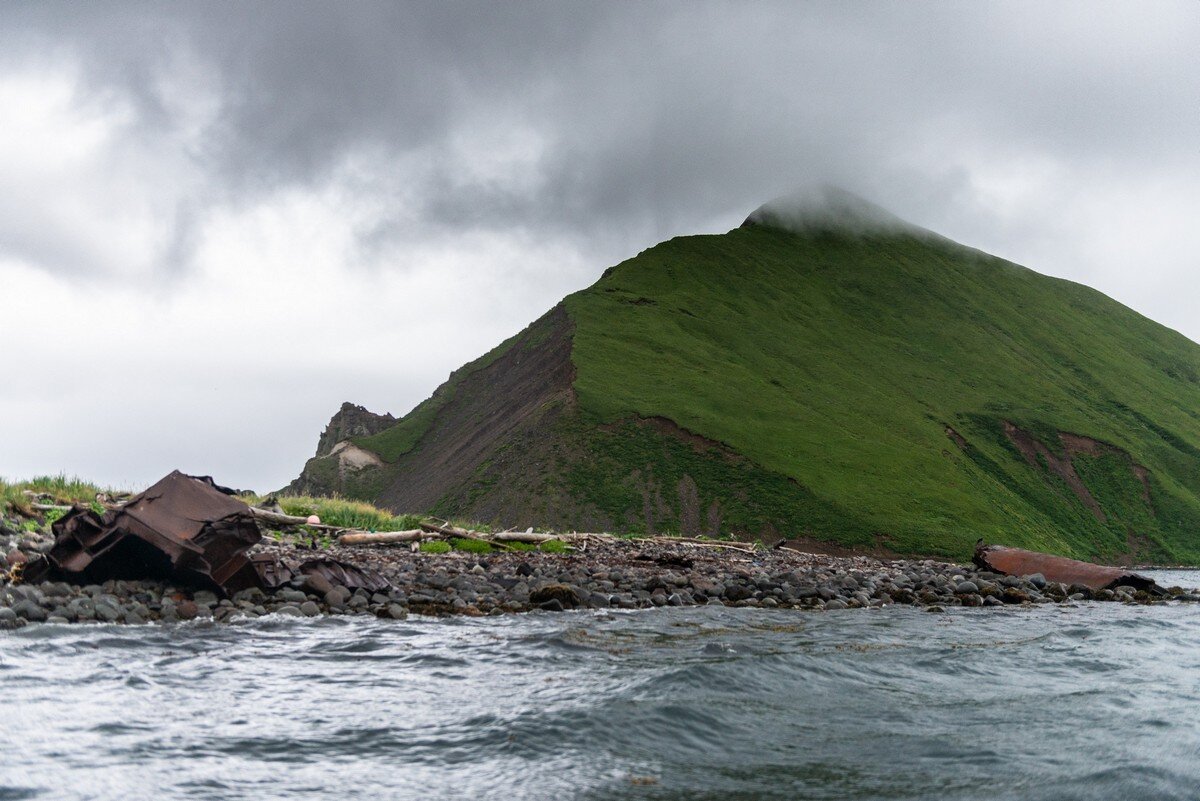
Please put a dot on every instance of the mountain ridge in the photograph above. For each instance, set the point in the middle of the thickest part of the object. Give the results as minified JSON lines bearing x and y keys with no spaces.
{"x":880,"y":389}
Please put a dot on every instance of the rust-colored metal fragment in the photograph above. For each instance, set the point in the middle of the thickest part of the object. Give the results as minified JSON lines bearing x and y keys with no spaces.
{"x":273,"y":574}
{"x":348,"y":576}
{"x":1019,"y":562}
{"x":182,"y":529}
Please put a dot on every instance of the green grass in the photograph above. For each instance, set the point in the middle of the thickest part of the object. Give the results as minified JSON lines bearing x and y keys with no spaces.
{"x":60,"y":490}
{"x":343,"y":512}
{"x":470,"y":546}
{"x":836,"y":363}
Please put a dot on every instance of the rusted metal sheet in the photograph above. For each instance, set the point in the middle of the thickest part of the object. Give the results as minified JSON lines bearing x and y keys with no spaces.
{"x":1018,"y":562}
{"x":274,"y":574}
{"x":348,"y":576}
{"x":182,"y":529}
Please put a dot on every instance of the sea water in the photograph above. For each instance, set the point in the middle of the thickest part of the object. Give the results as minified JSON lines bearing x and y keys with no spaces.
{"x":1093,"y":701}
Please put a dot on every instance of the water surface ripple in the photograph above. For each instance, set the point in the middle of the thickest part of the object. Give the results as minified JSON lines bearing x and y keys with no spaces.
{"x":1092,"y":702}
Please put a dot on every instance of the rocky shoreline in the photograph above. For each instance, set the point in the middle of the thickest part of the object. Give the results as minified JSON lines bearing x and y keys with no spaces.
{"x":617,"y":574}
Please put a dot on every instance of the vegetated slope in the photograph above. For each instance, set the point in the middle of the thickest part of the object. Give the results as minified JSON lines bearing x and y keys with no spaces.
{"x":876,"y":387}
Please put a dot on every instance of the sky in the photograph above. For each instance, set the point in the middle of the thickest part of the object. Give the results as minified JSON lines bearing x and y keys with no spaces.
{"x":219,"y":221}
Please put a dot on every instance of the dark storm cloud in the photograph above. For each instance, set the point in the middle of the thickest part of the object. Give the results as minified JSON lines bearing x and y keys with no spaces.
{"x":651,"y":119}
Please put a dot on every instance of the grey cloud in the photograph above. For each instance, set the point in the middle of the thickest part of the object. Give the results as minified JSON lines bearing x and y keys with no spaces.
{"x":654,"y":116}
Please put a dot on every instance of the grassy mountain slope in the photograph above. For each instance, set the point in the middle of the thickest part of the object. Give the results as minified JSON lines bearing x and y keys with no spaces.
{"x":841,"y":361}
{"x":883,"y":389}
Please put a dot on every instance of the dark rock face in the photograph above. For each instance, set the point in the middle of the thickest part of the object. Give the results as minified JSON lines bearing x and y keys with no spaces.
{"x":351,"y":421}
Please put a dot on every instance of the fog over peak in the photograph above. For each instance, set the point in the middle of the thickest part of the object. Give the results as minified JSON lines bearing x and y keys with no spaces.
{"x":830,"y":208}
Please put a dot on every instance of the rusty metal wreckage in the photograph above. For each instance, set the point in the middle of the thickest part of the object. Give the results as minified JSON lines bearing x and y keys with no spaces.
{"x":185,"y":529}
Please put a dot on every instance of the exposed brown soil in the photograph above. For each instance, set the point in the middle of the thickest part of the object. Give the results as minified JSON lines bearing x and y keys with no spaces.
{"x":488,"y":409}
{"x":1063,"y":465}
{"x":1076,"y":444}
{"x":958,"y":438}
{"x":1032,"y":448}
{"x":669,"y":428}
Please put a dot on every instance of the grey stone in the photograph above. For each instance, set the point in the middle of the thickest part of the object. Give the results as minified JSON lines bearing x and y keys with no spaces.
{"x":398,"y":612}
{"x":966,"y":587}
{"x":107,"y":613}
{"x":337,"y":597}
{"x":290,"y":610}
{"x":56,"y":589}
{"x":310,"y":609}
{"x":253,"y":595}
{"x":30,"y":611}
{"x":316,"y":584}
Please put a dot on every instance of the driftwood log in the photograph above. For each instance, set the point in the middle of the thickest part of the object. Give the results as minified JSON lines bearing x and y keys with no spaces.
{"x":382,"y":537}
{"x":281,"y":519}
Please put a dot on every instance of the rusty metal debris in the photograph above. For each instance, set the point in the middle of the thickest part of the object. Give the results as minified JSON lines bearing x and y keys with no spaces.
{"x":275,"y":574}
{"x":182,"y":529}
{"x":1018,"y":562}
{"x":349,"y":576}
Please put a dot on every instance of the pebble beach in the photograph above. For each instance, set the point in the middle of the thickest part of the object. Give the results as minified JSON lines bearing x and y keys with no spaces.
{"x":610,"y":574}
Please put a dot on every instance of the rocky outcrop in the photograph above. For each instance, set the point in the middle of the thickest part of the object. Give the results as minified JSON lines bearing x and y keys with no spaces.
{"x":341,"y":467}
{"x":349,"y":422}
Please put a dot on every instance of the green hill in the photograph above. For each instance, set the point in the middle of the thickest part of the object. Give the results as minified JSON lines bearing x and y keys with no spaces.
{"x":824,"y":372}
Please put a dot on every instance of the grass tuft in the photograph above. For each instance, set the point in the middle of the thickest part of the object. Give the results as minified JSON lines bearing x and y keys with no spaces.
{"x":57,"y":490}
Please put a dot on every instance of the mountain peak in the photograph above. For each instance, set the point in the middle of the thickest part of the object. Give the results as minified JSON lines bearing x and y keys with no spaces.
{"x":829,"y":208}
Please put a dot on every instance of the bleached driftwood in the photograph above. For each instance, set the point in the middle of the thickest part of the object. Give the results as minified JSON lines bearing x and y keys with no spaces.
{"x":382,"y":537}
{"x":697,"y":543}
{"x":447,"y":530}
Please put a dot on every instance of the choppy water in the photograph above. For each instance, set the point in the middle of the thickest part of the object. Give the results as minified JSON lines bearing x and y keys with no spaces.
{"x":1094,"y":702}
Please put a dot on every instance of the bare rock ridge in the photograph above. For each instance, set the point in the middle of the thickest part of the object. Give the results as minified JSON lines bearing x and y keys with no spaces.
{"x":349,"y":422}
